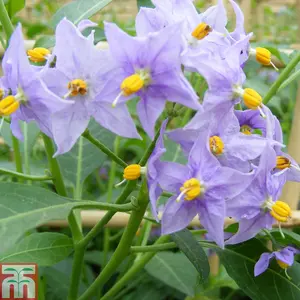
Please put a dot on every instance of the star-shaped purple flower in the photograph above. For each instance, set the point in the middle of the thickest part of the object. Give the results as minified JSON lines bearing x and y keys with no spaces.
{"x":284,"y":257}
{"x":200,"y":188}
{"x":148,"y":67}
{"x":230,"y":146}
{"x":36,"y":101}
{"x":254,"y":208}
{"x":79,"y":77}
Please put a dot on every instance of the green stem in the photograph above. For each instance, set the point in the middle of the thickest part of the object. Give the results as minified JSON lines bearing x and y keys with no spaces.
{"x":104,"y":149}
{"x":282,"y":77}
{"x":98,"y":227}
{"x":17,"y":154}
{"x":137,"y":267}
{"x":5,"y":20}
{"x":78,"y":258}
{"x":26,"y":150}
{"x":107,"y":206}
{"x":146,"y":233}
{"x":124,"y":245}
{"x":111,"y":184}
{"x":78,"y":186}
{"x":25,"y":176}
{"x":150,"y":149}
{"x":153,"y":248}
{"x":54,"y":167}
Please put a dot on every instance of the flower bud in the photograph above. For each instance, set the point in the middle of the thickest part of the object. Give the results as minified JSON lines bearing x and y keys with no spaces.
{"x":191,"y":189}
{"x":132,"y":172}
{"x":38,"y":54}
{"x":282,"y":264}
{"x":282,"y":162}
{"x":201,"y":31}
{"x":252,"y":99}
{"x":8,"y":106}
{"x":132,"y":84}
{"x":77,"y":86}
{"x":280,"y":211}
{"x":216,"y":145}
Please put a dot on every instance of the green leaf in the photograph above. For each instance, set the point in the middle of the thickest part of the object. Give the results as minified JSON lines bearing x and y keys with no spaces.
{"x":144,"y":3}
{"x":47,"y":41}
{"x":175,"y":270}
{"x":85,"y":154}
{"x":239,"y":261}
{"x":78,"y":10}
{"x":98,"y":33}
{"x":44,"y":249}
{"x":24,"y":207}
{"x":291,"y":238}
{"x":193,"y":251}
{"x":13,"y":6}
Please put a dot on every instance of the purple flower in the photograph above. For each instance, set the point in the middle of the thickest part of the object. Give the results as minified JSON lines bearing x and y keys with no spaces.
{"x":286,"y":166}
{"x":153,"y":170}
{"x":230,"y":146}
{"x":284,"y":258}
{"x":84,"y":24}
{"x":34,"y":100}
{"x":250,"y":120}
{"x":201,"y":188}
{"x":224,"y":77}
{"x":257,"y":207}
{"x":148,"y":67}
{"x":80,"y":80}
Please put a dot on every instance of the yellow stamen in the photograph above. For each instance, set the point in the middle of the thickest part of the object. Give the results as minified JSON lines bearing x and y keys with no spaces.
{"x":282,"y":264}
{"x":191,"y":189}
{"x":245,"y":129}
{"x":280,"y":211}
{"x":8,"y":106}
{"x":252,"y":99}
{"x":38,"y":54}
{"x":132,"y":84}
{"x":263,"y":56}
{"x":77,"y":86}
{"x":201,"y":31}
{"x":132,"y":172}
{"x":216,"y":145}
{"x":282,"y":163}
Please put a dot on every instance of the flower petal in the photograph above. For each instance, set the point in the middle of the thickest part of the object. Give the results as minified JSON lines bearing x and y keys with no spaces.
{"x":263,"y":263}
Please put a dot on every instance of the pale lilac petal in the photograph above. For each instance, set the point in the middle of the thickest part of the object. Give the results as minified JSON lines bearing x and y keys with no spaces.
{"x":149,"y":20}
{"x":201,"y":159}
{"x":149,"y":109}
{"x":216,"y":17}
{"x":174,"y":87}
{"x":263,"y":263}
{"x":285,"y":255}
{"x":116,"y":119}
{"x":177,"y":215}
{"x":15,"y":127}
{"x":68,"y":125}
{"x":228,"y":183}
{"x":249,"y":228}
{"x":245,"y":147}
{"x":212,"y":215}
{"x":172,"y":176}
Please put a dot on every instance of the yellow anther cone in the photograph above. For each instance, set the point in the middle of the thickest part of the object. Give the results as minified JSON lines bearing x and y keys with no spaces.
{"x":132,"y":172}
{"x":282,"y":162}
{"x":8,"y":106}
{"x":216,"y":145}
{"x":77,"y":86}
{"x":132,"y":84}
{"x":263,"y":56}
{"x":280,"y":211}
{"x":282,"y":264}
{"x":201,"y":31}
{"x":252,"y":99}
{"x":191,"y":189}
{"x":38,"y":54}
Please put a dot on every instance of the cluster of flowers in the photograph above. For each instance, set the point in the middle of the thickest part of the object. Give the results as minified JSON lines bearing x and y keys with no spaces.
{"x":231,"y":170}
